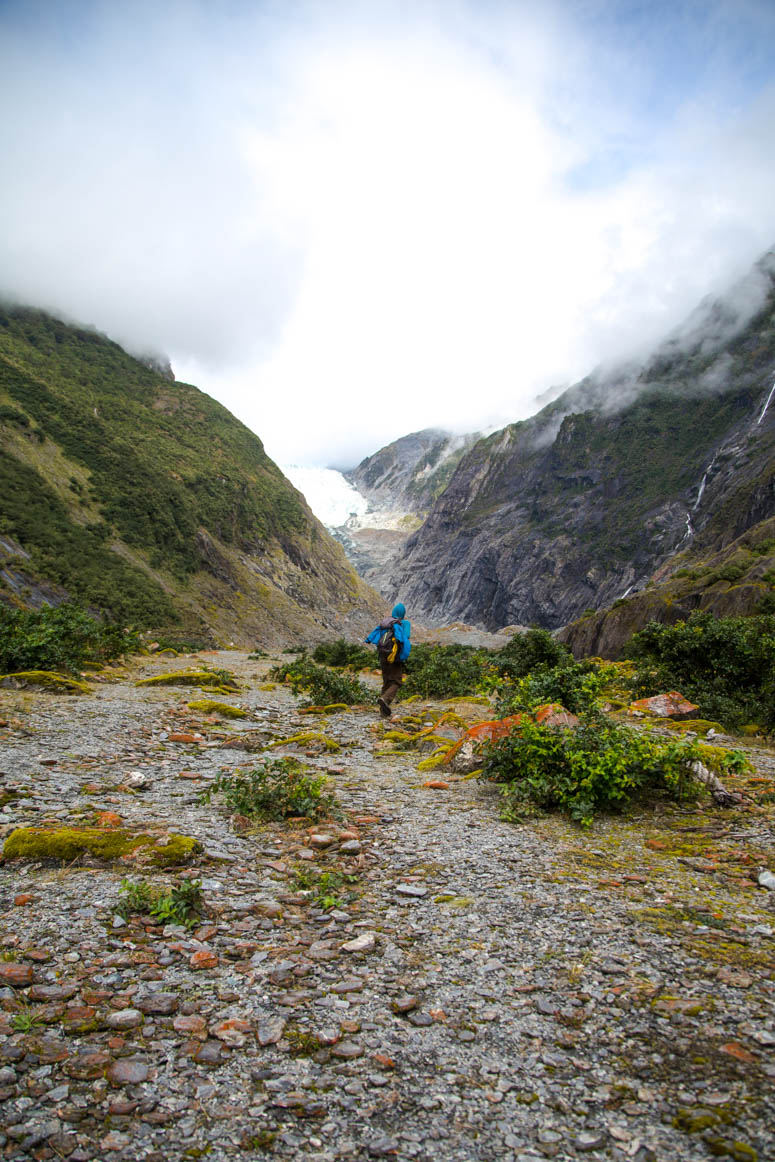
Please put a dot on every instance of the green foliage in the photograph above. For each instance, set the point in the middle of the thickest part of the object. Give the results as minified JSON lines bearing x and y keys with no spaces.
{"x":343,"y":654}
{"x":60,"y":638}
{"x":725,"y":665}
{"x":434,"y":671}
{"x":73,"y":555}
{"x":277,"y":789}
{"x":536,"y":649}
{"x":159,"y":461}
{"x":26,"y":1020}
{"x":598,"y":766}
{"x":180,"y":905}
{"x":326,"y":887}
{"x":576,"y":685}
{"x":319,"y":685}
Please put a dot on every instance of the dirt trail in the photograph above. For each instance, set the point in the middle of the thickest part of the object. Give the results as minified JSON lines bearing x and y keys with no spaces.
{"x":467,"y":989}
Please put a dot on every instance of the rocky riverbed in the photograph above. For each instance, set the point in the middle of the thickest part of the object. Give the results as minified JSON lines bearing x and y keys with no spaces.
{"x":415,"y":980}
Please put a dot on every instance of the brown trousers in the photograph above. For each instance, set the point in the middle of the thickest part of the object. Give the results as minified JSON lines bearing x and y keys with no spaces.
{"x":392,"y":677}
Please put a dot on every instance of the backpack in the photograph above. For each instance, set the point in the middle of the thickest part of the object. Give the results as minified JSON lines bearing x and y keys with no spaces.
{"x":387,"y":644}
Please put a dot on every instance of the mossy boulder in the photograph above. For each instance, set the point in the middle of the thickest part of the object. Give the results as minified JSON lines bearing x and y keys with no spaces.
{"x":48,"y":680}
{"x":209,"y":706}
{"x":64,"y":844}
{"x":210,"y":680}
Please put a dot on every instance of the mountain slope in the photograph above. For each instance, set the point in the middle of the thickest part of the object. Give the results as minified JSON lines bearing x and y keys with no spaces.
{"x":579,"y":505}
{"x":145,"y":498}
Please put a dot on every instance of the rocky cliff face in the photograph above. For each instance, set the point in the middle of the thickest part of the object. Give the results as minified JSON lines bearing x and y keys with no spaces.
{"x":401,"y":482}
{"x":144,"y":498}
{"x":409,"y":474}
{"x":580,"y":505}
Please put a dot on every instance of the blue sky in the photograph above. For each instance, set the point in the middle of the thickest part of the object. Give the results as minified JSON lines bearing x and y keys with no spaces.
{"x":349,"y":220}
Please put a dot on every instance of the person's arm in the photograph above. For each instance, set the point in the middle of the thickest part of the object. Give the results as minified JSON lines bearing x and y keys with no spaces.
{"x":402,"y":632}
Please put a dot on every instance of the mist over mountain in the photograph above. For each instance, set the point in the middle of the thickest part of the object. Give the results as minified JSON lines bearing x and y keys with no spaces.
{"x":633,"y":470}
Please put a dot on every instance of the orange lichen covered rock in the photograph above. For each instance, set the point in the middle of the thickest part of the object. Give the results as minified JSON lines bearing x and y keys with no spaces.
{"x":670,"y":705}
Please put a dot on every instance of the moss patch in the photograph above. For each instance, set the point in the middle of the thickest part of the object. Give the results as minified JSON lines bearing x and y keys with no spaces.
{"x":209,"y":706}
{"x":69,"y":843}
{"x":207,"y":678}
{"x":47,"y":680}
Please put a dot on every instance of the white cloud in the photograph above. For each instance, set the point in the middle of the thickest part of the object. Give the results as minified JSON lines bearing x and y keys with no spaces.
{"x":355,"y":222}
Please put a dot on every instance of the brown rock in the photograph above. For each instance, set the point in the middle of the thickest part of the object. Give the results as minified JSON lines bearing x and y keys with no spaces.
{"x":88,"y":1066}
{"x":233,"y":1032}
{"x":16,"y":975}
{"x":127,"y":1071}
{"x":192,"y":1024}
{"x":161,"y":1003}
{"x":205,"y":958}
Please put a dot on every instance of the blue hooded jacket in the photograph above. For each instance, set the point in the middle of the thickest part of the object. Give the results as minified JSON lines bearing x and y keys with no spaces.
{"x":402,"y":628}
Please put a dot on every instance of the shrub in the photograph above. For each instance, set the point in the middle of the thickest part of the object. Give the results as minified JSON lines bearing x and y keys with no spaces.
{"x":725,"y":665}
{"x":277,"y":789}
{"x":343,"y":654}
{"x":536,"y":649}
{"x":598,"y":766}
{"x":320,"y":686}
{"x":179,"y":905}
{"x":577,"y":685}
{"x":453,"y":671}
{"x":60,"y":638}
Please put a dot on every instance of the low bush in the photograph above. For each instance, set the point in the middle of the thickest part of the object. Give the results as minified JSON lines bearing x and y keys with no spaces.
{"x":64,"y":637}
{"x":453,"y":671}
{"x":725,"y":665}
{"x":319,"y":685}
{"x":598,"y":766}
{"x":534,"y":650}
{"x":180,"y":905}
{"x":275,"y":790}
{"x":344,"y":655}
{"x":576,"y":685}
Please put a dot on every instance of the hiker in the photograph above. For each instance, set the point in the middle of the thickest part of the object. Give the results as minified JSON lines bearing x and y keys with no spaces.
{"x":391,"y":637}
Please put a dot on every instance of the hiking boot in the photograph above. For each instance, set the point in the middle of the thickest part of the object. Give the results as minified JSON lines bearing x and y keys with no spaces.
{"x":384,"y":709}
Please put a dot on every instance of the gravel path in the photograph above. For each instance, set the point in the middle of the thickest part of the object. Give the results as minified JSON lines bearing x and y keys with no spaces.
{"x":473,"y":991}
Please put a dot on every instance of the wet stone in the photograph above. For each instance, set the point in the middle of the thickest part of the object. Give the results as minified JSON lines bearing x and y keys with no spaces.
{"x":127,"y":1071}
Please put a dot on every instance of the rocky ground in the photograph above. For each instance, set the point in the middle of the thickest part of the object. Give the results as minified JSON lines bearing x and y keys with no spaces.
{"x":469,"y":989}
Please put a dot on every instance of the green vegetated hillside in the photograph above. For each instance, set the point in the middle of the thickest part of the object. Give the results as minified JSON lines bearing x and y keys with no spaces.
{"x":623,"y":479}
{"x":144,"y":498}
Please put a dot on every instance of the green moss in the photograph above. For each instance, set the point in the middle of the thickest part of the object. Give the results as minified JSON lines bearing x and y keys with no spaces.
{"x":208,"y":706}
{"x":68,"y":843}
{"x":178,"y":849}
{"x":55,"y":683}
{"x":306,"y":738}
{"x":695,"y":1121}
{"x":739,"y":1151}
{"x":208,"y":679}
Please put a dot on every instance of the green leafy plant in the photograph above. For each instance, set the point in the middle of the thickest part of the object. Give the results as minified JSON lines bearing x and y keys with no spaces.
{"x":327,"y":887}
{"x":180,"y":904}
{"x":534,"y":650}
{"x":344,"y":655}
{"x":64,"y":637}
{"x":576,"y":685}
{"x":276,"y":789}
{"x":452,"y":671}
{"x":725,"y":665}
{"x":319,"y":685}
{"x":598,"y":766}
{"x":26,"y":1020}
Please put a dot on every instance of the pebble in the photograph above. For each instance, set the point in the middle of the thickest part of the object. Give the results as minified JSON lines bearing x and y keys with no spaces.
{"x":504,"y":1017}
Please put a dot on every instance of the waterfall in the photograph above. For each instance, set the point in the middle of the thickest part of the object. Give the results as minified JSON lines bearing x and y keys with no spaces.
{"x":767,"y":404}
{"x":703,"y":482}
{"x":689,"y":530}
